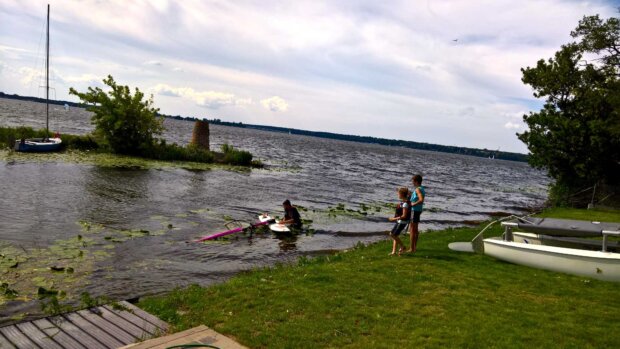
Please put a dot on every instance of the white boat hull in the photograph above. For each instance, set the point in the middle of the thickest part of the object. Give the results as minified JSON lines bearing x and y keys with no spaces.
{"x":595,"y":264}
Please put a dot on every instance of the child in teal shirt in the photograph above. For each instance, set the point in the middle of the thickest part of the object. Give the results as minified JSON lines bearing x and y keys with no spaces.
{"x":417,"y":205}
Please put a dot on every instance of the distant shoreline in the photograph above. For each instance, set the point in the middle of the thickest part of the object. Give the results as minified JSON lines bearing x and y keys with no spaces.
{"x":483,"y":153}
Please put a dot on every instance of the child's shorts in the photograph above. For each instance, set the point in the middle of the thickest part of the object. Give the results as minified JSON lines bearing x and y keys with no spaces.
{"x":398,"y":228}
{"x":416,"y":217}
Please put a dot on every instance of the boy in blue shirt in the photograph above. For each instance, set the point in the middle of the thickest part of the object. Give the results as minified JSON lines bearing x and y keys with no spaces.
{"x":417,"y":205}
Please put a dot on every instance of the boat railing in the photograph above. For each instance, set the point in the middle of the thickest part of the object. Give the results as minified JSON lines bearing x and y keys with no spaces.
{"x":477,"y":241}
{"x":606,"y":234}
{"x":508,"y":230}
{"x":509,"y":226}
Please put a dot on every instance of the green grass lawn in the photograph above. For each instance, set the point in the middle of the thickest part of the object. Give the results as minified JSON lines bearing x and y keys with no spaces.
{"x":435,"y":298}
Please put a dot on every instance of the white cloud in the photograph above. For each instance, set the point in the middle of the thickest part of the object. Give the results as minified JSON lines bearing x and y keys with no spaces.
{"x":343,"y":63}
{"x":208,"y":99}
{"x":512,"y":126}
{"x":275,"y":104}
{"x":89,"y":78}
{"x":30,"y":75}
{"x":4,"y":48}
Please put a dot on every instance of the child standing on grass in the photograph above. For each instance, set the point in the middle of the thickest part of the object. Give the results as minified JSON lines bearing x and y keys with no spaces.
{"x":417,"y":206}
{"x":401,"y":217}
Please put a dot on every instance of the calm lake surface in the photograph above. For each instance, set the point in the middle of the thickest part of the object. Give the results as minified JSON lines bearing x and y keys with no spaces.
{"x":135,"y":227}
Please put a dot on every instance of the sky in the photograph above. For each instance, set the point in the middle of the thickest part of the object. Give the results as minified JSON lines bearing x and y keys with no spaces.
{"x":444,"y":72}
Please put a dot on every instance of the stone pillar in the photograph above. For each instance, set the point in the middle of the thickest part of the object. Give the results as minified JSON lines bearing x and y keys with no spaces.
{"x":200,"y":136}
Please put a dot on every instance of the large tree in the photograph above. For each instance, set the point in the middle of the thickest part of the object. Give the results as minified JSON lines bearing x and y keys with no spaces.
{"x":126,"y":122}
{"x":576,"y":135}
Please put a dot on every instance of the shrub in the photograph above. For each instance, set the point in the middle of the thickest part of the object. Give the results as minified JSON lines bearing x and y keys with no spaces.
{"x":123,"y":120}
{"x":236,"y":157}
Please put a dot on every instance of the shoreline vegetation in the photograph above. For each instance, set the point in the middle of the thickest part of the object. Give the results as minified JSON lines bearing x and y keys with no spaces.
{"x":434,"y":298}
{"x":158,"y":151}
{"x":484,"y":153}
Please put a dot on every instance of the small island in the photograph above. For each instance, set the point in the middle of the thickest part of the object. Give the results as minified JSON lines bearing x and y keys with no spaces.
{"x":128,"y":125}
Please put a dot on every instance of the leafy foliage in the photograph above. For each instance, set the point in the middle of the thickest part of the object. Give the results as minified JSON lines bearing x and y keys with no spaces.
{"x":576,"y":135}
{"x":236,"y":157}
{"x":8,"y":136}
{"x":163,"y":151}
{"x":124,"y":121}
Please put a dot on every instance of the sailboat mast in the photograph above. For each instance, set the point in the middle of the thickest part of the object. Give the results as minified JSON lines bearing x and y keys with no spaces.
{"x":47,"y":75}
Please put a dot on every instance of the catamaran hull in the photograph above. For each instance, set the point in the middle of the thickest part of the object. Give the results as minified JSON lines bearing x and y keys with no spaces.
{"x":594,"y":264}
{"x":38,"y":145}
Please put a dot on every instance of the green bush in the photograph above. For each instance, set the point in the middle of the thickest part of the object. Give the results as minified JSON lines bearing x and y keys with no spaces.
{"x":171,"y":152}
{"x":236,"y":157}
{"x":86,"y":142}
{"x":123,"y":120}
{"x":8,"y":136}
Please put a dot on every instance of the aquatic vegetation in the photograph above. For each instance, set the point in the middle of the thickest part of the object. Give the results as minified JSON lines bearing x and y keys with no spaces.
{"x":58,"y":269}
{"x":112,"y":161}
{"x":54,"y":274}
{"x":340,"y":209}
{"x":7,"y":292}
{"x":199,"y":211}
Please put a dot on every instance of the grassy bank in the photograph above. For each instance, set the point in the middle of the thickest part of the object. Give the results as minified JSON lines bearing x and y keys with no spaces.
{"x":160,"y":150}
{"x":434,"y":298}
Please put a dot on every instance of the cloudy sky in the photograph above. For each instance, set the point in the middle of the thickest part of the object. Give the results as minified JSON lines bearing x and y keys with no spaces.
{"x":436,"y":71}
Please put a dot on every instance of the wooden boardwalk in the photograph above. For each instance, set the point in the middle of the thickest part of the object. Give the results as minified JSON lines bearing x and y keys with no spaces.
{"x":101,"y":327}
{"x":197,"y":335}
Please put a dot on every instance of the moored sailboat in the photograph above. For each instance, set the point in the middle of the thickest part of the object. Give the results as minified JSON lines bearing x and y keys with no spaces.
{"x":45,"y":144}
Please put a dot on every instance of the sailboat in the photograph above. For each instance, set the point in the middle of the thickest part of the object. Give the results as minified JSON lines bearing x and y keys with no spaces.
{"x":45,"y":144}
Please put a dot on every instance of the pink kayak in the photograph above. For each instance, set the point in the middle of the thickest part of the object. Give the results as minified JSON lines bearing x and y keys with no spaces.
{"x":264,"y":220}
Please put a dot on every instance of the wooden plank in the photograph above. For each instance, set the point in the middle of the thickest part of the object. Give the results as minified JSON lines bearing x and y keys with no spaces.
{"x":197,"y":335}
{"x":37,"y":336}
{"x":4,"y":343}
{"x":130,"y":328}
{"x":115,"y":331}
{"x":136,"y":320}
{"x":146,"y":316}
{"x":13,"y":334}
{"x":62,"y":338}
{"x":96,"y":332}
{"x":84,"y":338}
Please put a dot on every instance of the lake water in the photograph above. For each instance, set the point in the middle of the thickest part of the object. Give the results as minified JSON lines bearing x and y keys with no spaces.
{"x":126,"y":232}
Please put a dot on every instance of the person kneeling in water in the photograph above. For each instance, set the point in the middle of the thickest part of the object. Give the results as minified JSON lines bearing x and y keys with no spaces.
{"x":291,"y":215}
{"x":401,"y":217}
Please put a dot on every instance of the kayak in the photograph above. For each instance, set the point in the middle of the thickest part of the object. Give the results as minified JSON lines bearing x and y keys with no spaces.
{"x":262,"y":220}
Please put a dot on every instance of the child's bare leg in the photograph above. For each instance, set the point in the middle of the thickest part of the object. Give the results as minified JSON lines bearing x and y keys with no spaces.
{"x":414,"y":237}
{"x":399,"y":242}
{"x":411,"y":238}
{"x":393,"y":244}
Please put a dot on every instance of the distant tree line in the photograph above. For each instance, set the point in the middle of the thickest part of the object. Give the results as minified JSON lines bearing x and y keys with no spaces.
{"x":485,"y":153}
{"x":40,"y":100}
